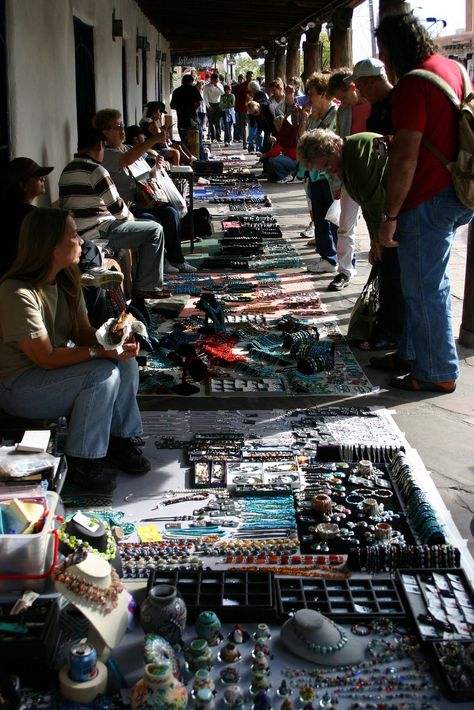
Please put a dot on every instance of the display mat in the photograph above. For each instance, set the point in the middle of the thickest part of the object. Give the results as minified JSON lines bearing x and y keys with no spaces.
{"x":252,"y":332}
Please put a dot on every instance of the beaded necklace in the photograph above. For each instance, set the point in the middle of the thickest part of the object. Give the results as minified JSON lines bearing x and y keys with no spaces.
{"x":105,"y":598}
{"x":322,"y":649}
{"x":73,"y":542}
{"x":323,"y":571}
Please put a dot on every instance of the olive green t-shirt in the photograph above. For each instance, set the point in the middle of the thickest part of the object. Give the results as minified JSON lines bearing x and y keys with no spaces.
{"x":24,"y":315}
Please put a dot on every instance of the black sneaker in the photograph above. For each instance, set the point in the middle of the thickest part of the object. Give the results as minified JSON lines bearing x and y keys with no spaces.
{"x":89,"y":475}
{"x":126,"y":455}
{"x":338,"y":283}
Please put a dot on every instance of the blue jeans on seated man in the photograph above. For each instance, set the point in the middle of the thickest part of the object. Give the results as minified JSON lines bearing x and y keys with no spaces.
{"x":168,"y":217}
{"x":146,"y":239}
{"x":282,"y":165}
{"x":98,"y":395}
{"x":425,"y":235}
{"x":325,"y":231}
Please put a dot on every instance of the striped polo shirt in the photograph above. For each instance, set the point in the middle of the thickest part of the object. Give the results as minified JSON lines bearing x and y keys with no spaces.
{"x":88,"y":191}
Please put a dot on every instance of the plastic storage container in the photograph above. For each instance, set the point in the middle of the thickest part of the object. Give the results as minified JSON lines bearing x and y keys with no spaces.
{"x":26,"y":556}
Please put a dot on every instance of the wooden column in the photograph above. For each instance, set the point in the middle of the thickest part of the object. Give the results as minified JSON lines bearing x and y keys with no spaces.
{"x":292,"y":55}
{"x":280,"y":63}
{"x":269,"y":69}
{"x":341,"y":39}
{"x":311,"y":52}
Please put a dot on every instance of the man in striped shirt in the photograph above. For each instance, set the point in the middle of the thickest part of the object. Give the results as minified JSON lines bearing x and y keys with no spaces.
{"x":88,"y":191}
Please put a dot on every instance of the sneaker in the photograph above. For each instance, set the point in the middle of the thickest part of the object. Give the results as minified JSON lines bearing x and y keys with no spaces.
{"x":322,"y":267}
{"x":169,"y":268}
{"x":338,"y":283}
{"x":226,"y":145}
{"x":311,"y":243}
{"x":100,"y":277}
{"x":126,"y":455}
{"x":186,"y":268}
{"x":89,"y":474}
{"x":283,"y":181}
{"x":308,"y":231}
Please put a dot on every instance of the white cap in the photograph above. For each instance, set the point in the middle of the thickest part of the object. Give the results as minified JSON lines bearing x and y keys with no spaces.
{"x":367,"y":68}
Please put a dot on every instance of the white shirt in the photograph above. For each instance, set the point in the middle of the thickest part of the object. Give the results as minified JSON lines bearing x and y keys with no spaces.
{"x":212,"y":94}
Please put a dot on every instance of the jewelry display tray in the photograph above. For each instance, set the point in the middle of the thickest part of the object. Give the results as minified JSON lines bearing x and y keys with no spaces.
{"x":350,"y":598}
{"x":434,"y":646}
{"x":337,"y":546}
{"x":248,"y":596}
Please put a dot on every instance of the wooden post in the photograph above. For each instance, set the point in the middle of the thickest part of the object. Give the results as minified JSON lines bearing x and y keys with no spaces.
{"x":341,"y":39}
{"x":280,"y":63}
{"x":311,"y":52}
{"x":269,"y":69}
{"x":292,"y":55}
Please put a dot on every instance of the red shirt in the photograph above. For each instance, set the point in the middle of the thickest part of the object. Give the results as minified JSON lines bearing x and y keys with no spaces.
{"x":240,"y":92}
{"x":360,"y":114}
{"x":418,"y":105}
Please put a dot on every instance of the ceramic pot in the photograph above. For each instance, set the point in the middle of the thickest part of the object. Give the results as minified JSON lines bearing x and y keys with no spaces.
{"x":204,"y":699}
{"x":198,"y":655}
{"x":208,"y":627}
{"x":234,"y":697}
{"x":158,"y":650}
{"x":158,"y":690}
{"x":229,"y":653}
{"x":164,"y":613}
{"x":203,"y":679}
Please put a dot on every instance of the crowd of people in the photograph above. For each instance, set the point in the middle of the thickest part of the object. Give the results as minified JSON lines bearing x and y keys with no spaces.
{"x":328,"y":134}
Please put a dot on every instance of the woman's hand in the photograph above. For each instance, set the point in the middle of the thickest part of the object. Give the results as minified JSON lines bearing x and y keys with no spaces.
{"x":130,"y":349}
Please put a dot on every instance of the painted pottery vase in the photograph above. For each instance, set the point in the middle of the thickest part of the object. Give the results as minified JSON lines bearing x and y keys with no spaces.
{"x":259,"y":682}
{"x":229,"y":675}
{"x":261,"y":662}
{"x":158,"y":690}
{"x":158,"y":650}
{"x":262,"y":701}
{"x":202,"y":679}
{"x":229,"y":653}
{"x":262,"y":632}
{"x":164,"y":613}
{"x":208,"y":627}
{"x":234,"y":697}
{"x":198,"y":655}
{"x":204,"y":699}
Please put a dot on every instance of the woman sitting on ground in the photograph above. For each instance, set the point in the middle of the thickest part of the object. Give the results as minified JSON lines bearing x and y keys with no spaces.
{"x":126,"y":166}
{"x":41,"y":312}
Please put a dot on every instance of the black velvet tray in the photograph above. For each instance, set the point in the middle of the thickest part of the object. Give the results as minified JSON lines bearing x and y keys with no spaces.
{"x":350,"y":598}
{"x":234,"y":596}
{"x":304,"y":512}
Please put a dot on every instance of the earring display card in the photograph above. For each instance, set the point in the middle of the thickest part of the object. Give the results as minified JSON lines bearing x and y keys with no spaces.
{"x":351,"y":598}
{"x":246,"y":596}
{"x":441,"y":603}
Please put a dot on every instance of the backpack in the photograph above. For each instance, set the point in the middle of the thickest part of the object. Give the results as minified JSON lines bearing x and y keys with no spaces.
{"x":462,"y":167}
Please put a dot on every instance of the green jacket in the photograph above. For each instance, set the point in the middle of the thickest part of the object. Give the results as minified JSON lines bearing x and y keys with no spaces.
{"x":364,"y":175}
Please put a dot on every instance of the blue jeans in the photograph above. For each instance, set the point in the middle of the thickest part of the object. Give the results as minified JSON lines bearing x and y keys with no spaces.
{"x":168,"y":217}
{"x":325,"y":231}
{"x":425,"y":235}
{"x":146,"y":238}
{"x":282,"y":165}
{"x":98,"y":395}
{"x":227,"y":131}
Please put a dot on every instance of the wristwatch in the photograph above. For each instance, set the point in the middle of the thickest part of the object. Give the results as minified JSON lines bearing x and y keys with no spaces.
{"x":93,"y":352}
{"x":386,"y":218}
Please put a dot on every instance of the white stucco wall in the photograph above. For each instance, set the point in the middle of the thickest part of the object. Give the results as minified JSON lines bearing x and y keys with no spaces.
{"x":41,"y":73}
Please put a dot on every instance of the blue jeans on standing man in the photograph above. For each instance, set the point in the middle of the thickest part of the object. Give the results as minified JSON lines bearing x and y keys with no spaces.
{"x":325,"y":231}
{"x":425,"y":235}
{"x":99,"y":396}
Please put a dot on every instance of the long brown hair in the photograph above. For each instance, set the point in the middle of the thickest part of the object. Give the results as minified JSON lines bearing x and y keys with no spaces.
{"x":41,"y":230}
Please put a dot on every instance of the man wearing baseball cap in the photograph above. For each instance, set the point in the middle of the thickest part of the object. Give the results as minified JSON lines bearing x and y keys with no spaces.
{"x":365,"y":68}
{"x":23,"y":181}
